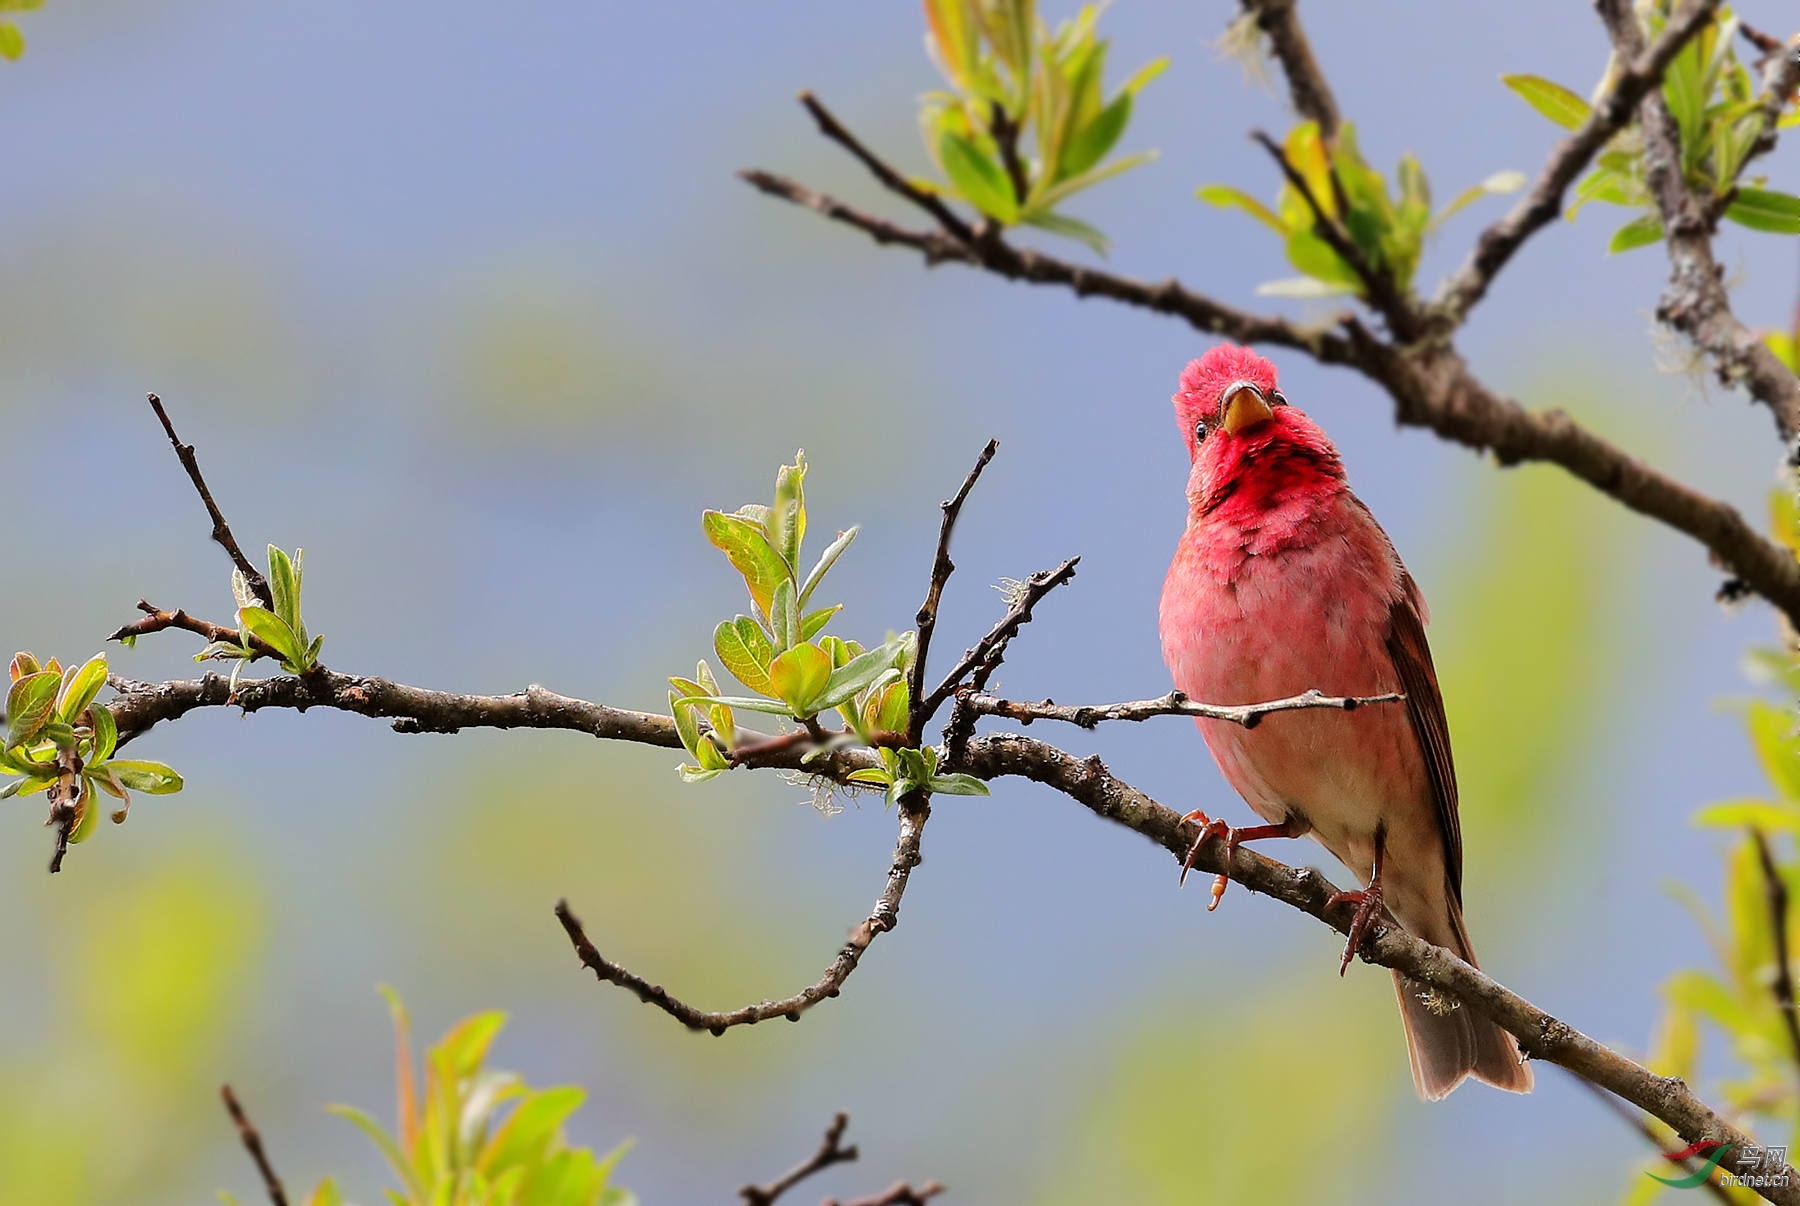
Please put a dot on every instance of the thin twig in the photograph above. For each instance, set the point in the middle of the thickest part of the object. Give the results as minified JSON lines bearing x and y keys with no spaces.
{"x":221,"y":531}
{"x":1378,"y":286}
{"x":883,"y":917}
{"x":995,"y":255}
{"x":1775,"y":888}
{"x":941,"y":569}
{"x":890,"y":178}
{"x":898,"y":1194}
{"x":980,"y":660}
{"x":1173,"y":704}
{"x":831,"y":1151}
{"x":254,"y":1145}
{"x":1542,"y":203}
{"x":157,"y":620}
{"x":1307,"y":85}
{"x":1636,"y":1122}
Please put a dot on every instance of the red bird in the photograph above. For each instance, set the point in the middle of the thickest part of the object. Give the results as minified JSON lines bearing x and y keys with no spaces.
{"x":1284,"y":582}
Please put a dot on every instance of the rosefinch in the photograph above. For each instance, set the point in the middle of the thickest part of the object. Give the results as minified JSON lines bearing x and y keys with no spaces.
{"x":1283,"y":582}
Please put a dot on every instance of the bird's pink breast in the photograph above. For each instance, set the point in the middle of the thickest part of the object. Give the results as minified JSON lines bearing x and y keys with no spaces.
{"x":1298,"y":597}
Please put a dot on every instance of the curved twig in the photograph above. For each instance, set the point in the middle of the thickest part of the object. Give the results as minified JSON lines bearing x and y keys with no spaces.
{"x":1174,"y":703}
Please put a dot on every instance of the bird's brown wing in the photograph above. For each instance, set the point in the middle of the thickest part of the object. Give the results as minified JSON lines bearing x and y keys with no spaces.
{"x":1425,"y":707}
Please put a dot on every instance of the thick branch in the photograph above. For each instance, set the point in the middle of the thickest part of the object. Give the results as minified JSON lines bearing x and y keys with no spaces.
{"x":1542,"y":203}
{"x":1540,"y":1035}
{"x":1085,"y":780}
{"x":1089,"y":716}
{"x":1307,"y":86}
{"x":221,"y":531}
{"x":941,"y":569}
{"x":883,"y":917}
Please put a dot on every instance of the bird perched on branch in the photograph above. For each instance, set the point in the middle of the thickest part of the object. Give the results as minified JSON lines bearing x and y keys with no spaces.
{"x":1283,"y":582}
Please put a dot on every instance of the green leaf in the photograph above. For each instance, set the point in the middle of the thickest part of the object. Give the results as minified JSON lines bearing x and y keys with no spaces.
{"x":981,"y":181}
{"x":1737,"y":814}
{"x":871,"y":774}
{"x":1639,"y":232}
{"x":860,"y":672}
{"x":827,"y":559}
{"x":814,"y":623}
{"x":1552,"y":100}
{"x":1765,"y":209}
{"x":20,"y":6}
{"x":1772,"y":732}
{"x":106,"y":734}
{"x":151,"y":778}
{"x":787,"y":518}
{"x":889,"y":710}
{"x":1302,"y":287}
{"x":1498,"y":184}
{"x":384,"y":1143}
{"x":1313,"y":256}
{"x":30,"y":705}
{"x":746,"y":703}
{"x":529,"y":1132}
{"x":784,"y":618}
{"x":696,"y":774}
{"x":273,"y":631}
{"x":744,"y":650}
{"x":1069,"y":228}
{"x":687,"y":724}
{"x":1226,"y":197}
{"x":284,"y":586}
{"x":1610,"y":186}
{"x":956,"y":785}
{"x":1684,"y":88}
{"x":86,"y":815}
{"x":744,"y":542}
{"x":1092,"y":142}
{"x":798,"y":676}
{"x":1062,"y":190}
{"x":12,"y":42}
{"x":84,"y":684}
{"x":30,"y":785}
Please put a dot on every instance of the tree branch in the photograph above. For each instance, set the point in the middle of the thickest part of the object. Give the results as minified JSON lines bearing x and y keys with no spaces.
{"x":1089,"y":716}
{"x":221,"y":531}
{"x":157,"y":620}
{"x":997,"y":256}
{"x":831,"y":1151}
{"x":941,"y":569}
{"x":1307,"y":86}
{"x":982,"y":658}
{"x":883,"y":917}
{"x":1542,"y":203}
{"x":253,"y":1144}
{"x":1696,"y":302}
{"x":1775,"y":887}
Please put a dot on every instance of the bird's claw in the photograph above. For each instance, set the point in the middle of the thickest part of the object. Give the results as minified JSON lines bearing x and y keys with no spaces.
{"x":1368,"y":908}
{"x":1209,"y":828}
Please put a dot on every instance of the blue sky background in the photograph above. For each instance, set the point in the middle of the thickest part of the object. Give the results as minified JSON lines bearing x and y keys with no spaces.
{"x":467,"y":301}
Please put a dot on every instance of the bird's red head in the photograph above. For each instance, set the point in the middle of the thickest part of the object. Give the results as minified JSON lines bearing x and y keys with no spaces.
{"x":1243,"y":437}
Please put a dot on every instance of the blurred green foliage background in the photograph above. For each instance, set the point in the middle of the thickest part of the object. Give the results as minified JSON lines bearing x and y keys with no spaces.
{"x":468,"y":304}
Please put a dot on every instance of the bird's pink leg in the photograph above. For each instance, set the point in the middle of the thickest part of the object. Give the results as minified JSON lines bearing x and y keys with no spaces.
{"x":1233,"y":836}
{"x":1368,"y":907}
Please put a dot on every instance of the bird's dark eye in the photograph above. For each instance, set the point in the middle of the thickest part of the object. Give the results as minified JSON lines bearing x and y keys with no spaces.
{"x":1199,"y":430}
{"x":1277,"y":398}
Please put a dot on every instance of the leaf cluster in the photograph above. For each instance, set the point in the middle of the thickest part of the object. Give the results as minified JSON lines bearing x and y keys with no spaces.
{"x":791,"y":666}
{"x":1012,"y":78}
{"x":280,"y":627}
{"x":1388,"y":228}
{"x":471,"y":1136}
{"x":1711,"y":94}
{"x":60,"y":740}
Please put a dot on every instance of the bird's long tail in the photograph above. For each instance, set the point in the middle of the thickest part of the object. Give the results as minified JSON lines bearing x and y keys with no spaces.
{"x":1446,"y":1041}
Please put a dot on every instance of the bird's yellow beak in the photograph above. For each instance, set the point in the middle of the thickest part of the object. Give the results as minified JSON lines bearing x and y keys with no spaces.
{"x":1244,"y":406}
